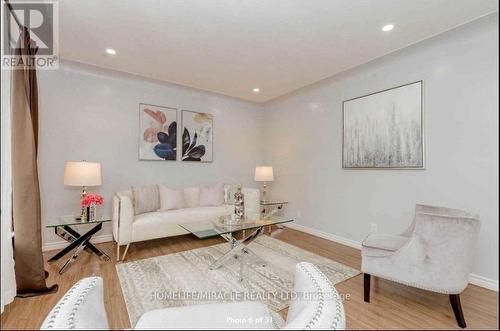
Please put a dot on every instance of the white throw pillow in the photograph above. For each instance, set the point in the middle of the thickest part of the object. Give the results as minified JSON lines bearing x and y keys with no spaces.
{"x":170,"y":199}
{"x":192,"y":196}
{"x":146,"y":199}
{"x":212,"y":195}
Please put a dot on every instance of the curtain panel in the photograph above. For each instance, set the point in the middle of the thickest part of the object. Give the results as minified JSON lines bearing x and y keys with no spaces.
{"x":26,"y":209}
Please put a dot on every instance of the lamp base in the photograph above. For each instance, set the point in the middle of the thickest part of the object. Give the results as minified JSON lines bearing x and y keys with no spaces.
{"x":83,"y":211}
{"x":264,"y":187}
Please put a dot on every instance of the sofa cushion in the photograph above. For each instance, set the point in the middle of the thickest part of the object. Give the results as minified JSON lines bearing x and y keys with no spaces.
{"x":192,"y":197}
{"x":145,"y":198}
{"x":166,"y":223}
{"x":170,"y":199}
{"x":212,"y":195}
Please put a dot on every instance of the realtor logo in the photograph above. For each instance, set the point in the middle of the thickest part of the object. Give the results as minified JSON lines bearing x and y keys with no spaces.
{"x":38,"y":18}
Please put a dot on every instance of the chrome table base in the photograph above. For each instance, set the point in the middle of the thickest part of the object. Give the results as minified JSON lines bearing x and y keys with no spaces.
{"x":239,"y":250}
{"x":80,"y":242}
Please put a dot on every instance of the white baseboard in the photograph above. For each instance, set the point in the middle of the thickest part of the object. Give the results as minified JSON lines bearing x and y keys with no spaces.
{"x":61,"y":244}
{"x":481,"y":281}
{"x":474,"y":279}
{"x":325,"y":235}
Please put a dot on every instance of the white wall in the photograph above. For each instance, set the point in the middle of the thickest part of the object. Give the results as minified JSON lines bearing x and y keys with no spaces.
{"x":303,"y":142}
{"x":89,"y":113}
{"x":92,"y":114}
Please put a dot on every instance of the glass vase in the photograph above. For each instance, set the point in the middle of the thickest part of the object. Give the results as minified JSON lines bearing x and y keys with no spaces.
{"x":92,"y":213}
{"x":84,"y":214}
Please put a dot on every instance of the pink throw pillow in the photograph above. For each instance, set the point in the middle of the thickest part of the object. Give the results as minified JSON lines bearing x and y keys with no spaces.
{"x":211,"y":196}
{"x":170,"y":199}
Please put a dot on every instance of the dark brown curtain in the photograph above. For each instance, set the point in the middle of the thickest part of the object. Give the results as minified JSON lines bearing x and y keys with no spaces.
{"x":26,"y":210}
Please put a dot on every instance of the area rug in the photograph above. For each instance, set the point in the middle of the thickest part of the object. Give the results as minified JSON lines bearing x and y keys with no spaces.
{"x":183,"y":278}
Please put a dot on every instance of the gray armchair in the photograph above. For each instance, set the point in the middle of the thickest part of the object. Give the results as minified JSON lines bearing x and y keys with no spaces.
{"x":435,"y":253}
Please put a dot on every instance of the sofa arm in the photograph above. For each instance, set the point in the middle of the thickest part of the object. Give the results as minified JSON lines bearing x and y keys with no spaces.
{"x":123,"y":217}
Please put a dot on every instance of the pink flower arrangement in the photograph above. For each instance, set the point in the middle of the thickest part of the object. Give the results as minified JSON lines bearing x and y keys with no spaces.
{"x":91,"y":199}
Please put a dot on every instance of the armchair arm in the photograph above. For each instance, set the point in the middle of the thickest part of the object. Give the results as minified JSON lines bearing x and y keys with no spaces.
{"x":123,"y":217}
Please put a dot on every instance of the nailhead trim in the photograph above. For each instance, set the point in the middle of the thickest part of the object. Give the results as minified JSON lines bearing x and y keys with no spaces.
{"x":313,"y":275}
{"x":81,"y":299}
{"x":417,"y":285}
{"x":305,"y":267}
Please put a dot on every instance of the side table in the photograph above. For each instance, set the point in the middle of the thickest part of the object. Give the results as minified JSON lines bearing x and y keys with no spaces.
{"x":64,"y":228}
{"x":269,"y":208}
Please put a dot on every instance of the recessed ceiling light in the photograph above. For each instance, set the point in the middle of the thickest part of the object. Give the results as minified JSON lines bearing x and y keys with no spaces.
{"x":256,"y":90}
{"x":110,"y":51}
{"x":388,"y":27}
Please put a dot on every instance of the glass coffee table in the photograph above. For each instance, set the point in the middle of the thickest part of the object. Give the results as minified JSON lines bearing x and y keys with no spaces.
{"x":251,"y":227}
{"x":64,"y":228}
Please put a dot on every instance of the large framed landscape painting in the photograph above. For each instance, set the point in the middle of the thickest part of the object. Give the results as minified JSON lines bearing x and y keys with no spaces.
{"x":197,"y":136}
{"x":158,"y":133}
{"x":384,"y":130}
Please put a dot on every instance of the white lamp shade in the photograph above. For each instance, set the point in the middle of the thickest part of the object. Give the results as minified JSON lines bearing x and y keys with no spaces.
{"x":82,"y":174}
{"x":264,"y":174}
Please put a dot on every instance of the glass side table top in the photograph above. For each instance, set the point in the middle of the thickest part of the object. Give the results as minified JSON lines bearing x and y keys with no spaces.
{"x":74,"y":220}
{"x":223,"y":225}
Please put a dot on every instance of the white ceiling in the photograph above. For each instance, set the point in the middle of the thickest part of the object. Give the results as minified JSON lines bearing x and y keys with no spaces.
{"x":232,"y":46}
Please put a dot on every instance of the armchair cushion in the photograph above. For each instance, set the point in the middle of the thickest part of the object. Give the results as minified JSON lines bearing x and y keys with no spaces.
{"x":235,"y":315}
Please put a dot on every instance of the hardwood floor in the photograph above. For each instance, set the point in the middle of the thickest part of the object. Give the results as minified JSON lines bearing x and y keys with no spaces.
{"x":392,"y":305}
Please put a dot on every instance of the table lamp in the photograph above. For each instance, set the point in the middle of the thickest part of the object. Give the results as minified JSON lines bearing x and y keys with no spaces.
{"x":264,"y":174}
{"x":83,"y":174}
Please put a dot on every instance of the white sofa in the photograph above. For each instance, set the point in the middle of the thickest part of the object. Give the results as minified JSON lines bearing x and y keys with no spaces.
{"x":129,"y":227}
{"x":316,"y":305}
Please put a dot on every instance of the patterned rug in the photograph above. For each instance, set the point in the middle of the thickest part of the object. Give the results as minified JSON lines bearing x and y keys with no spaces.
{"x":183,"y":278}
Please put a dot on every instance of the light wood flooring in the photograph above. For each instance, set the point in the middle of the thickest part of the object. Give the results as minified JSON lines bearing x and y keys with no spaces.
{"x":393,"y":306}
